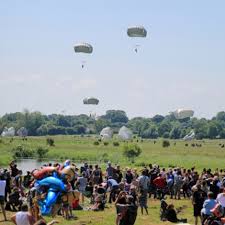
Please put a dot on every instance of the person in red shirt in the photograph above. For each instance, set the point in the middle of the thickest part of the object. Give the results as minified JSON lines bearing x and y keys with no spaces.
{"x":160,"y":184}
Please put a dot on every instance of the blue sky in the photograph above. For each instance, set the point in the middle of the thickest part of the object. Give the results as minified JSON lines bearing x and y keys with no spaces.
{"x":181,"y":63}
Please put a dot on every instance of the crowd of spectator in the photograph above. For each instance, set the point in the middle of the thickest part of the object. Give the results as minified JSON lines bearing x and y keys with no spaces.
{"x":128,"y":189}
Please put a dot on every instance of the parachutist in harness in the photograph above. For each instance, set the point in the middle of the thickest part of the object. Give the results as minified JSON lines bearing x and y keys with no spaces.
{"x":136,"y":50}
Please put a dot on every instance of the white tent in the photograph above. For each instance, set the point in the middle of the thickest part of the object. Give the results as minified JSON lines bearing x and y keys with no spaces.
{"x":106,"y":133}
{"x":8,"y":132}
{"x":125,"y":133}
{"x":22,"y":132}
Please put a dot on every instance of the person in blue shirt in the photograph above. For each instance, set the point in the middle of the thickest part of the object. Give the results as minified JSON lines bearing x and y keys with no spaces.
{"x":114,"y":186}
{"x":208,"y":204}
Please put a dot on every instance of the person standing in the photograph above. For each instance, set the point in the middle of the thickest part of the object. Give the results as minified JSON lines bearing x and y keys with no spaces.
{"x":144,"y":182}
{"x":197,"y":201}
{"x":143,"y":198}
{"x":2,"y":195}
{"x":82,"y":183}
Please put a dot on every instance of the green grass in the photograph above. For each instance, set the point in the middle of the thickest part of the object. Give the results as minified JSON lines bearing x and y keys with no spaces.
{"x":108,"y":216}
{"x":82,"y":148}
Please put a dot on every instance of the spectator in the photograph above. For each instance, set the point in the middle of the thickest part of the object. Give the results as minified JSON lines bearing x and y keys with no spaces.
{"x":23,"y":217}
{"x":2,"y":195}
{"x":197,"y":201}
{"x":207,"y":206}
{"x":82,"y":183}
{"x":143,"y":197}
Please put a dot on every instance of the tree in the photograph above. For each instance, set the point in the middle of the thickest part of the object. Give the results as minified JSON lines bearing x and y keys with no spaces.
{"x":200,"y":127}
{"x":139,"y":125}
{"x":116,"y":116}
{"x":131,"y":151}
{"x":100,"y":124}
{"x":151,"y":132}
{"x":175,"y":133}
{"x":164,"y":127}
{"x":157,"y":118}
{"x":220,"y":116}
{"x":222,"y":134}
{"x":212,"y":131}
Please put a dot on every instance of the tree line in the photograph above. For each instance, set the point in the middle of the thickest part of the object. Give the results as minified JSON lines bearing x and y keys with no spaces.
{"x":168,"y":126}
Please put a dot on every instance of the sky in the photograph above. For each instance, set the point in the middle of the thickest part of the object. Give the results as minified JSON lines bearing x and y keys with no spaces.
{"x":180,"y":64}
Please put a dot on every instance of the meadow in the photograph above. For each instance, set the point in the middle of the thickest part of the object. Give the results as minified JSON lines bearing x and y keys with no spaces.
{"x":80,"y":149}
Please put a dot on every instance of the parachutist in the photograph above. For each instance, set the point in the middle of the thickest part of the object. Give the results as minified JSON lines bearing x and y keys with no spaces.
{"x":135,"y":50}
{"x":82,"y":66}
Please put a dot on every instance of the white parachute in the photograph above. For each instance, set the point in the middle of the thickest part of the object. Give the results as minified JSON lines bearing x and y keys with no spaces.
{"x":22,"y":132}
{"x":125,"y":133}
{"x":183,"y":113}
{"x":83,"y":48}
{"x":91,"y":101}
{"x":136,"y":32}
{"x":8,"y":132}
{"x":106,"y":133}
{"x":190,"y":136}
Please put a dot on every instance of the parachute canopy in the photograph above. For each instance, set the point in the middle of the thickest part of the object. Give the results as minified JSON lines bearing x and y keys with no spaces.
{"x":8,"y":132}
{"x":190,"y":136}
{"x":137,"y":31}
{"x":83,"y":48}
{"x":22,"y":132}
{"x":106,"y":133}
{"x":183,"y":113}
{"x":125,"y":133}
{"x":91,"y":101}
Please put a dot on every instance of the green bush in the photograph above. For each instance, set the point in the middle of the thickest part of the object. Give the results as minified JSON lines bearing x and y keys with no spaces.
{"x":106,"y":143}
{"x":165,"y":143}
{"x":50,"y":141}
{"x":96,"y":143}
{"x":116,"y":143}
{"x":41,"y":152}
{"x":131,"y":151}
{"x":22,"y":152}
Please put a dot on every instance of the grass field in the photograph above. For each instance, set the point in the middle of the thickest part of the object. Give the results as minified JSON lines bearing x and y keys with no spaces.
{"x":82,"y":148}
{"x":108,"y":216}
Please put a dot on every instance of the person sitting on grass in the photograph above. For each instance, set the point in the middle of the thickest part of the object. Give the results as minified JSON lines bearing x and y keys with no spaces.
{"x":171,"y":215}
{"x":23,"y":217}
